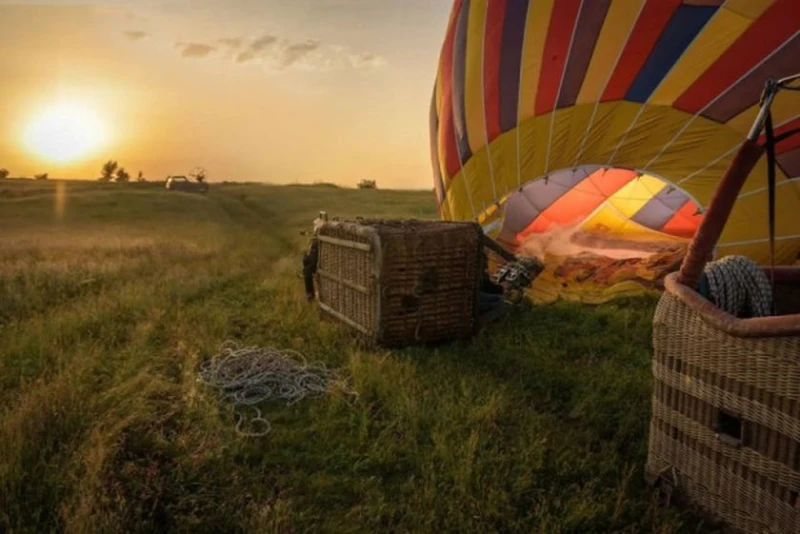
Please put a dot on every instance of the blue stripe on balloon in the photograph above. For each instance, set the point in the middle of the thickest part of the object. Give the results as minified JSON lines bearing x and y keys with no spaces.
{"x":679,"y":33}
{"x":661,"y":208}
{"x":510,"y":60}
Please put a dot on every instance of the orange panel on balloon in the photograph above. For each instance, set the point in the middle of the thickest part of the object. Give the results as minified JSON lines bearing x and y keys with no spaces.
{"x":580,"y":201}
{"x":685,"y":221}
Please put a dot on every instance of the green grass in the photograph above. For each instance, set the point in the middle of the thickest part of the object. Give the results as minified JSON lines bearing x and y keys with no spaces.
{"x":110,"y":295}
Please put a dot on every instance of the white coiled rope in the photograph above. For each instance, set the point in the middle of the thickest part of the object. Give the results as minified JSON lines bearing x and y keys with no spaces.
{"x":738,"y":285}
{"x":247,"y":376}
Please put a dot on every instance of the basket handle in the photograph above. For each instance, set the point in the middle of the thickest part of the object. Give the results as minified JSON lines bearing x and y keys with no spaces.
{"x":719,"y":209}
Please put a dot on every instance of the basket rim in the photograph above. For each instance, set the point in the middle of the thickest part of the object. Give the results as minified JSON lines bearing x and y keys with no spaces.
{"x":363,"y":226}
{"x":777,"y":326}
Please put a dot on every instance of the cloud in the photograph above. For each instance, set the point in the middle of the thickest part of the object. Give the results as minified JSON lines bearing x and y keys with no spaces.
{"x":263,"y":42}
{"x":134,"y":35}
{"x":275,"y":53}
{"x":296,"y":52}
{"x":244,"y":57}
{"x":231,"y":43}
{"x":311,"y":54}
{"x":256,"y":49}
{"x":195,"y":50}
{"x":367,"y":61}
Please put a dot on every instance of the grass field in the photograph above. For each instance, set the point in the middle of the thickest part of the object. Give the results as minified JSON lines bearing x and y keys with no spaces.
{"x":110,"y":295}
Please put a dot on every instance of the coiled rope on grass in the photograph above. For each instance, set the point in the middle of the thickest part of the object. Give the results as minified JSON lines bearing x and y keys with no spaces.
{"x":247,"y":376}
{"x":737,"y":285}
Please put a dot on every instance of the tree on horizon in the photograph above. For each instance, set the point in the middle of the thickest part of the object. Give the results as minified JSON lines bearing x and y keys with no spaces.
{"x":122,"y":175}
{"x":4,"y":173}
{"x":108,"y":170}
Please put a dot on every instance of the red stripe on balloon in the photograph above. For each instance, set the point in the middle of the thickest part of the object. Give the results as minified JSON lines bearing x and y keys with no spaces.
{"x":556,"y":52}
{"x":789,"y":143}
{"x":447,"y":136}
{"x":495,"y":18}
{"x":654,"y":17}
{"x":764,"y":36}
{"x":685,"y":221}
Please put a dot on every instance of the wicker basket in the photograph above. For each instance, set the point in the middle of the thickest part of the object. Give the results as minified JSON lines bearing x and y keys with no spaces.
{"x":401,"y":282}
{"x":725,"y":428}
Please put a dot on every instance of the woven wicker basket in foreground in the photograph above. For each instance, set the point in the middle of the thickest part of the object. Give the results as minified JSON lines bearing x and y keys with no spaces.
{"x":401,"y":282}
{"x":725,"y":428}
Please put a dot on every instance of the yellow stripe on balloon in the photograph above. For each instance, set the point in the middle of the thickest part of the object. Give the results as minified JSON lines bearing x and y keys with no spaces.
{"x":569,"y":129}
{"x":751,"y":9}
{"x":533,"y":134}
{"x":445,"y":211}
{"x":689,"y":161}
{"x":503,"y":152}
{"x":478,"y":182}
{"x":748,"y":222}
{"x":613,"y":217}
{"x":785,"y":251}
{"x":458,"y":199}
{"x":610,"y":122}
{"x":608,"y":221}
{"x":473,"y":76}
{"x":638,"y":145}
{"x":635,"y":194}
{"x":621,"y":17}
{"x":722,"y":30}
{"x":536,"y":26}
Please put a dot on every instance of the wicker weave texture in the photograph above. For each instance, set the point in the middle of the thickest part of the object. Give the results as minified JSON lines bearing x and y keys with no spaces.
{"x":409,"y":282}
{"x":749,"y":478}
{"x":347,"y":277}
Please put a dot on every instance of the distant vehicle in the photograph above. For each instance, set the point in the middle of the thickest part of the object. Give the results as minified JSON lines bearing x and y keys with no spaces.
{"x":182,"y":183}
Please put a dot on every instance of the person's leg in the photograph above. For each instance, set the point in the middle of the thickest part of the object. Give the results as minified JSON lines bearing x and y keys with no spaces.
{"x":309,"y":281}
{"x":308,"y":276}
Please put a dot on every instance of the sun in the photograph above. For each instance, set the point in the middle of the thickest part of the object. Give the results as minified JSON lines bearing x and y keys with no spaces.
{"x":65,"y":131}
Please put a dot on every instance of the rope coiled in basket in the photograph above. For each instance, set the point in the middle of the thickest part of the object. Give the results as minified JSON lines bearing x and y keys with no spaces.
{"x":737,"y":285}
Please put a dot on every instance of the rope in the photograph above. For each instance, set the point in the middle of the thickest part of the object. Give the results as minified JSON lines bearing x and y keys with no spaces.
{"x":737,"y":285}
{"x":246,"y":376}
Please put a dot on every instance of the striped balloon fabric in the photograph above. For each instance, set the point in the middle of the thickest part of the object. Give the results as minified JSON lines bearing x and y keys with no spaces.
{"x":616,"y":115}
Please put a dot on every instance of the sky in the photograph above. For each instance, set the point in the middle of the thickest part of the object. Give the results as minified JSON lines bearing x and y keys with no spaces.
{"x":279,"y":91}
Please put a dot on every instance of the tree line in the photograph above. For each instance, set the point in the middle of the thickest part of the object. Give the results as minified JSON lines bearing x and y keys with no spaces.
{"x":111,"y":170}
{"x":4,"y":173}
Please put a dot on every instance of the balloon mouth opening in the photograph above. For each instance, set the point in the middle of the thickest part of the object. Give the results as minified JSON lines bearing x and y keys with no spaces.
{"x":610,"y":212}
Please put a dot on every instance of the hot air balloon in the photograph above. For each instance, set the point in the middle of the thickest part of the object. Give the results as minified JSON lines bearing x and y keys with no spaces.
{"x":614,"y":119}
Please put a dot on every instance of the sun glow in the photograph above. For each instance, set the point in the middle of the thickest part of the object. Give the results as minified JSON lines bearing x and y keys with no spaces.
{"x":64,"y":132}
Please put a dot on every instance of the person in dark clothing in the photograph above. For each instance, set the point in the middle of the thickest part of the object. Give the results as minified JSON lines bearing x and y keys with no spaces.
{"x":491,"y":296}
{"x":310,"y":267}
{"x":311,"y":257}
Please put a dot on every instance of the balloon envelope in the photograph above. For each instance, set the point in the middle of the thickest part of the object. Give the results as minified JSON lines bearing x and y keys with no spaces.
{"x":617,"y":117}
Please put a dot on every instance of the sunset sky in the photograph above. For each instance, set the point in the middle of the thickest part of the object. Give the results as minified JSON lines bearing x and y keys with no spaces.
{"x":263,"y":90}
